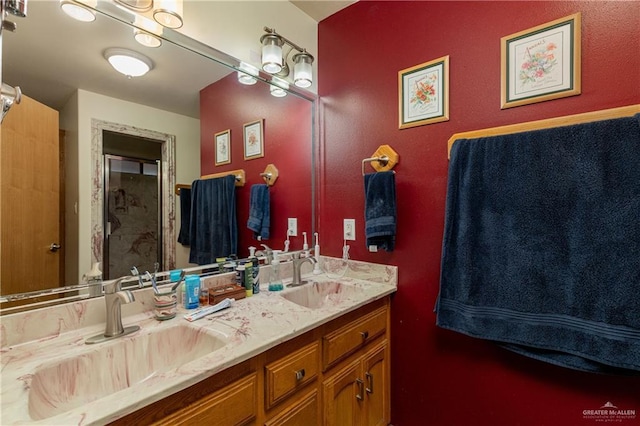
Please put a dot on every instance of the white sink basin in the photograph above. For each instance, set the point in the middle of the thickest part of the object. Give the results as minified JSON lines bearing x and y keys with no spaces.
{"x":320,"y":294}
{"x":110,"y":367}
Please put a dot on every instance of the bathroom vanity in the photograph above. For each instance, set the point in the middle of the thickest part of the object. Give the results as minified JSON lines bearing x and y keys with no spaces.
{"x":314,"y":354}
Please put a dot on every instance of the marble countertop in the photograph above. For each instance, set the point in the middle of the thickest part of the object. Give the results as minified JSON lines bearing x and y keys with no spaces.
{"x":35,"y":340}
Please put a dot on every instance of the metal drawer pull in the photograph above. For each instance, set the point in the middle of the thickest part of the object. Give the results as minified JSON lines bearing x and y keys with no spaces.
{"x":300,"y":374}
{"x":369,"y":377}
{"x":364,"y":334}
{"x":360,"y":384}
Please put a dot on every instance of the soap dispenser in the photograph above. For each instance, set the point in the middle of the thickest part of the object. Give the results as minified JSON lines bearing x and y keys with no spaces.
{"x":94,"y":280}
{"x":275,"y":282}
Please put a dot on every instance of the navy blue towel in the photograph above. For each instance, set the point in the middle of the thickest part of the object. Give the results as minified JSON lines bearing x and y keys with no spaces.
{"x":380,"y":209}
{"x":214,"y":230}
{"x":541,"y":248}
{"x":259,"y":211}
{"x":185,"y":216}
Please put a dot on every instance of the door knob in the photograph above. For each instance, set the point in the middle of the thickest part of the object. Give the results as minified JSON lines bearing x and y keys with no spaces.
{"x":54,"y":247}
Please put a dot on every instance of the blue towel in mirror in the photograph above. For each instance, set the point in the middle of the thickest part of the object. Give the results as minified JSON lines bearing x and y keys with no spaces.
{"x":380,"y":210}
{"x":213,"y":229}
{"x":185,"y":216}
{"x":541,"y":247}
{"x":259,"y":211}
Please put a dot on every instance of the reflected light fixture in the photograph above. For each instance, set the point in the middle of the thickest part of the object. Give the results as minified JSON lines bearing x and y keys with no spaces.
{"x":273,"y":61}
{"x":279,"y":87}
{"x":147,"y":32}
{"x":80,"y":10}
{"x":168,"y":13}
{"x":128,"y":62}
{"x":247,"y":73}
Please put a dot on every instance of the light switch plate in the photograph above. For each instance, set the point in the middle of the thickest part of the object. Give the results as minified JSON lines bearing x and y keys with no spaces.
{"x":349,"y":229}
{"x":292,"y":227}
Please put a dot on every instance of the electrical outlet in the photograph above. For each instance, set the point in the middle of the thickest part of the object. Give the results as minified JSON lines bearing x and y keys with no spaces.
{"x":349,"y":229}
{"x":292,"y":227}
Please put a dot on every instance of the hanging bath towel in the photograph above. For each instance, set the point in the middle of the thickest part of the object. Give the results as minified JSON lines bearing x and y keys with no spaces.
{"x":541,"y":248}
{"x":185,"y":216}
{"x":259,"y":211}
{"x":213,"y":229}
{"x":380,"y":210}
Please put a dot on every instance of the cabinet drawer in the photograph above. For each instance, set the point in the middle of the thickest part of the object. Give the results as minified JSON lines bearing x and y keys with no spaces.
{"x":234,"y":404}
{"x":349,"y":338}
{"x":302,"y":412}
{"x":290,"y":373}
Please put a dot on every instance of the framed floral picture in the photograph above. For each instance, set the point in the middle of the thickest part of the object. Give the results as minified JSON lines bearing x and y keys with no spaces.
{"x":424,"y":93}
{"x":541,"y":63}
{"x":223,"y":147}
{"x":253,"y":140}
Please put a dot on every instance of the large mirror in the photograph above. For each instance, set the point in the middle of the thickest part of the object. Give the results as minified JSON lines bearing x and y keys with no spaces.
{"x":159,"y":128}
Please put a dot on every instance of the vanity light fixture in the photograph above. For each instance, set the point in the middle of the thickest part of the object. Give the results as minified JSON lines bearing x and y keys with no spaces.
{"x":168,"y":13}
{"x":147,"y":32}
{"x":279,"y":87}
{"x":247,"y":73}
{"x":128,"y":62}
{"x":80,"y":10}
{"x":275,"y":63}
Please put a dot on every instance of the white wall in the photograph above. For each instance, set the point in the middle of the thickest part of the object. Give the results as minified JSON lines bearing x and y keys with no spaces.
{"x":90,"y":105}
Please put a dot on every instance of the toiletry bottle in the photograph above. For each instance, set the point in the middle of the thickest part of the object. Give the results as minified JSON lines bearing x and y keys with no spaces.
{"x":192,"y":292}
{"x":275,"y":283}
{"x":248,"y":278}
{"x":255,"y":270}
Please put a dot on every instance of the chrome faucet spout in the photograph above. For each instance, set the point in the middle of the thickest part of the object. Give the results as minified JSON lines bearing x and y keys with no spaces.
{"x":297,"y":269}
{"x":114,"y":297}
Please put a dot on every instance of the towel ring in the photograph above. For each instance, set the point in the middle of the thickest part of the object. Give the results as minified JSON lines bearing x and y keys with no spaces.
{"x":384,"y":159}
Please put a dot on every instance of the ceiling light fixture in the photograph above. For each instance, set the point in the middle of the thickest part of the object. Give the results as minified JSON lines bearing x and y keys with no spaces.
{"x":147,"y":32}
{"x":128,"y":62}
{"x":80,"y":10}
{"x":275,"y":63}
{"x":247,"y":73}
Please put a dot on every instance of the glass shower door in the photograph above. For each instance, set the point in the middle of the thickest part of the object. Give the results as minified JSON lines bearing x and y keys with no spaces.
{"x":132,"y":216}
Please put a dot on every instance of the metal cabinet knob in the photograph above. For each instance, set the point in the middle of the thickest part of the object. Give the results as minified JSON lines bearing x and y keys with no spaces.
{"x":364,"y":334}
{"x":300,"y":374}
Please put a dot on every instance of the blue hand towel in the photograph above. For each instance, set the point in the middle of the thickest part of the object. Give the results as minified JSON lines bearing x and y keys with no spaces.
{"x":185,"y":216}
{"x":214,"y":231}
{"x":541,"y":247}
{"x":380,"y":209}
{"x":259,"y":211}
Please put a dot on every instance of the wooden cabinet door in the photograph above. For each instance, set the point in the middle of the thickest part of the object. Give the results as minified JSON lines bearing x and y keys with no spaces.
{"x":300,"y":413}
{"x":341,"y":391}
{"x":376,"y":383}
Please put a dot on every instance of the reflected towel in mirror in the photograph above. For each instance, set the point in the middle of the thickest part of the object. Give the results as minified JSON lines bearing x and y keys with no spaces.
{"x":259,"y":211}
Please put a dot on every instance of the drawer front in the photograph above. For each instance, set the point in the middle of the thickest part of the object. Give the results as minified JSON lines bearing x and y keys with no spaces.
{"x":305,"y":412}
{"x":288,"y":374}
{"x":348,"y":339}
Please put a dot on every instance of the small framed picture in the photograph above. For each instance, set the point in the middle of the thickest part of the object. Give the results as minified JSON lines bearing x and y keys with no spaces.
{"x":423,"y":92}
{"x":541,"y":63}
{"x":253,"y":140}
{"x":223,"y":147}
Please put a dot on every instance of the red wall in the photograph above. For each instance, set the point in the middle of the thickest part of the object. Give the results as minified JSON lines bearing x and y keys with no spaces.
{"x":228,"y":104}
{"x":440,"y":377}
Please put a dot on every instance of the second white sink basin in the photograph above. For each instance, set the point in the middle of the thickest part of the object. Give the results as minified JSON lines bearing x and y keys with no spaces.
{"x":319,"y":294}
{"x":114,"y":366}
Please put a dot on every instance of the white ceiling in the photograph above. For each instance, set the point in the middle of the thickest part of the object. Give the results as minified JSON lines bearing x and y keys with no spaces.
{"x":50,"y":56}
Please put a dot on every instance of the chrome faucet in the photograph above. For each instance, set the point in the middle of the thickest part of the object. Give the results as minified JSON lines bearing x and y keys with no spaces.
{"x":297,"y":267}
{"x":267,"y":253}
{"x":114,"y":297}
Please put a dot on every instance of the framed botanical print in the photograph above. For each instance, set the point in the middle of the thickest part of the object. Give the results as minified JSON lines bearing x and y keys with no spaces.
{"x":223,"y":147}
{"x":541,"y":63}
{"x":253,"y":140}
{"x":423,"y":92}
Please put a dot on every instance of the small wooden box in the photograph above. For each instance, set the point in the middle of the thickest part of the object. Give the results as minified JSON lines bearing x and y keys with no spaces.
{"x":220,"y":292}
